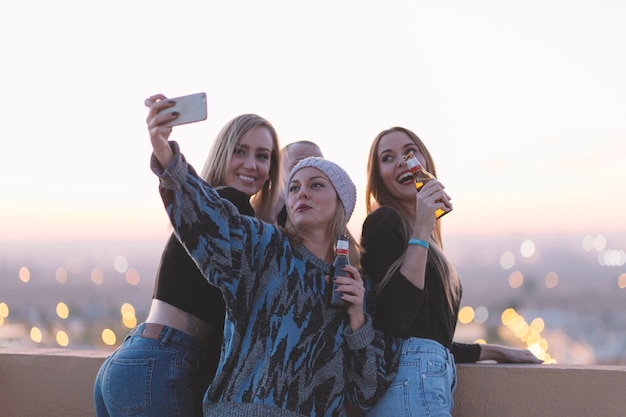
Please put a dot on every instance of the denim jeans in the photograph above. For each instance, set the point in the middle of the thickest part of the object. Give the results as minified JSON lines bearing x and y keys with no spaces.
{"x":157,"y":371}
{"x":424,"y":384}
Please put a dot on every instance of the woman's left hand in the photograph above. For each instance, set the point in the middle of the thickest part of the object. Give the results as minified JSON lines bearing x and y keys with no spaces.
{"x":505,"y":354}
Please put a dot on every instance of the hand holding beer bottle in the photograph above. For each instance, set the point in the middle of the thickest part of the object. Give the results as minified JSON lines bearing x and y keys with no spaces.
{"x":421,"y":177}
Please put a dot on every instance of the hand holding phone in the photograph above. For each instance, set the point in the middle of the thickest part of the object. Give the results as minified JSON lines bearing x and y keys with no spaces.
{"x":190,"y":108}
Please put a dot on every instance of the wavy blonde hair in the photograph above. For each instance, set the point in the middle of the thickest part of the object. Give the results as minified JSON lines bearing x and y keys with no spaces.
{"x":220,"y":156}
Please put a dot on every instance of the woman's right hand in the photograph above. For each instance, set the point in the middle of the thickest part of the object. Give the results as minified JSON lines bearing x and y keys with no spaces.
{"x":159,"y":134}
{"x":430,"y":198}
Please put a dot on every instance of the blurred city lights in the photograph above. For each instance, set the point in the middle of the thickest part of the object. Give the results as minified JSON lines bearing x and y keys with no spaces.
{"x":108,"y":337}
{"x":120,"y":264}
{"x":516,"y":279}
{"x":4,"y":310}
{"x":552,"y":279}
{"x":63,"y":310}
{"x":129,"y":320}
{"x":24,"y":274}
{"x":507,"y":260}
{"x":621,"y":280}
{"x":466,"y":315}
{"x":61,"y":275}
{"x":36,"y":335}
{"x":132,"y":276}
{"x":62,"y":338}
{"x":97,"y":276}
{"x":612,"y":258}
{"x":481,"y":314}
{"x":527,"y":248}
{"x":529,"y":334}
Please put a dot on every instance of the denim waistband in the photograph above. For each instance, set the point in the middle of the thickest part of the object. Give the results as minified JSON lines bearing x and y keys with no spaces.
{"x":165,"y":335}
{"x":420,"y":344}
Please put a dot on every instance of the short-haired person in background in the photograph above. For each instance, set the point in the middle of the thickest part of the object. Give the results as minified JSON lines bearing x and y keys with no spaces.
{"x":416,"y":290}
{"x":286,"y":351}
{"x":290,"y":155}
{"x":165,"y":365}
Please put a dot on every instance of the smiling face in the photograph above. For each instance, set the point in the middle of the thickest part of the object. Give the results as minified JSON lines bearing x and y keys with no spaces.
{"x":393,"y":171}
{"x":311,"y":199}
{"x":250,"y":162}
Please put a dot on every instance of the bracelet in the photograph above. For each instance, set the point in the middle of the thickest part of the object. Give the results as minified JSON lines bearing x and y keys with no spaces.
{"x":418,"y":242}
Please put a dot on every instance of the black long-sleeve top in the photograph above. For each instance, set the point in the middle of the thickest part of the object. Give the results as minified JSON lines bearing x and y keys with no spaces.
{"x":401,"y":307}
{"x":180,"y":283}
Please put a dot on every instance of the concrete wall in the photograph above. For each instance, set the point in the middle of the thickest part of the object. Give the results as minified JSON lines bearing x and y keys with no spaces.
{"x":59,"y":383}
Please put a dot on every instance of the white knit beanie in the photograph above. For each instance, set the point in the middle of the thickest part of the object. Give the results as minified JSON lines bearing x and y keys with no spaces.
{"x":345,"y":188}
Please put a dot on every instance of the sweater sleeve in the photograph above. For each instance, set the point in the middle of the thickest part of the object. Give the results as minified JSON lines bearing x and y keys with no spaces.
{"x":465,"y":353}
{"x":218,"y":238}
{"x":372,"y":365}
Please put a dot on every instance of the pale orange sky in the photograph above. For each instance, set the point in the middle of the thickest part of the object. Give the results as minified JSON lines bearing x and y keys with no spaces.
{"x":522,"y":106}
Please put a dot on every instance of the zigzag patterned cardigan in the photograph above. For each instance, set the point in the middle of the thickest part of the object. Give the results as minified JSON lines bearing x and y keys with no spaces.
{"x":285,"y":352}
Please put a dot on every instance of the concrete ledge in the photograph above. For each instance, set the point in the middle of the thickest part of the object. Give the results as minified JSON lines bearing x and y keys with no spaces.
{"x":48,"y":382}
{"x":59,"y":383}
{"x":499,"y":390}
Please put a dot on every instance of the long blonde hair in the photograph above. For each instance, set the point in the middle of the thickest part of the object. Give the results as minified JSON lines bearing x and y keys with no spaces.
{"x":220,"y":155}
{"x":377,"y":195}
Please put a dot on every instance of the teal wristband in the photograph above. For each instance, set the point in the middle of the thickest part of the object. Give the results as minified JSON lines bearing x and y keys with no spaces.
{"x":418,"y":242}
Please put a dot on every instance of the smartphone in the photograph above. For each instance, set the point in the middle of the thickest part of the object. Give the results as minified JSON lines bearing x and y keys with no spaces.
{"x":191,"y":108}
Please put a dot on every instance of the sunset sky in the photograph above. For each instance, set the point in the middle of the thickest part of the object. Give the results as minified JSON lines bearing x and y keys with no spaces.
{"x":522,"y":104}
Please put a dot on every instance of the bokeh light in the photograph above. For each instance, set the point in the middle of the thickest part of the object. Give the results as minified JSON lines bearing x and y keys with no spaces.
{"x":537,"y":325}
{"x":120,"y":264}
{"x":62,"y":338}
{"x":507,"y":260}
{"x":36,"y":335}
{"x":63,"y":310}
{"x":552,"y":279}
{"x":621,"y":280}
{"x":4,"y":310}
{"x":599,"y":243}
{"x":481,"y":314}
{"x":612,"y":258}
{"x":132,"y":276}
{"x":108,"y":337}
{"x":527,"y":248}
{"x":129,"y":320}
{"x":466,"y":315}
{"x":516,"y":279}
{"x":529,"y":334}
{"x":61,"y":275}
{"x":24,"y":274}
{"x":97,"y":276}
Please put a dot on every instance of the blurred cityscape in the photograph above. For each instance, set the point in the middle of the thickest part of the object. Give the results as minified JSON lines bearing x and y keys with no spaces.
{"x":561,"y":296}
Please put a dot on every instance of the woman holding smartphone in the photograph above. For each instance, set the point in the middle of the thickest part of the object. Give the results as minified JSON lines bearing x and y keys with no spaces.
{"x":286,"y":351}
{"x":165,"y":364}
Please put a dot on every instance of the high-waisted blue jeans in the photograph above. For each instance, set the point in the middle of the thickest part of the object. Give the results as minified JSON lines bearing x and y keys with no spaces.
{"x":424,"y":384}
{"x":157,"y":371}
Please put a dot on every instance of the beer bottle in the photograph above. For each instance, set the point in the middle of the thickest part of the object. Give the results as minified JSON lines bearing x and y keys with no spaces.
{"x":341,"y":259}
{"x":421,"y":177}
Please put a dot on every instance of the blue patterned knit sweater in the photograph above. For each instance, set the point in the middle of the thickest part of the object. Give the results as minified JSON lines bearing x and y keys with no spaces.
{"x":285,"y":352}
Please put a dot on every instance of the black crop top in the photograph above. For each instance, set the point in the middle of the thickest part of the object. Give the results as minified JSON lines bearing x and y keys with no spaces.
{"x":180,"y":283}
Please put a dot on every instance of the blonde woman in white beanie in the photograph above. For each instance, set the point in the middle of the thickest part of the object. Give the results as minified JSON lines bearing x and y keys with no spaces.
{"x":286,"y":352}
